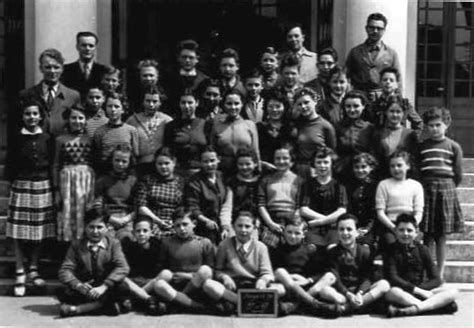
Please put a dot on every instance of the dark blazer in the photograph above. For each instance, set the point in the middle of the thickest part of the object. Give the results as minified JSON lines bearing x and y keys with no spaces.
{"x":176,"y":85}
{"x":54,"y":122}
{"x":73,"y":77}
{"x":76,"y":268}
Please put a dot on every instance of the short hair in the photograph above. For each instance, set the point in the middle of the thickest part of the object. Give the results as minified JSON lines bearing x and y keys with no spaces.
{"x":329,"y":51}
{"x":355,"y":94}
{"x":347,"y":216}
{"x":401,"y":154}
{"x":396,"y":99}
{"x":208,"y":149}
{"x":236,"y":92}
{"x":229,"y":53}
{"x":377,"y":17}
{"x":406,"y":218}
{"x":365,"y":157}
{"x":94,"y":87}
{"x":323,"y":152}
{"x":126,"y":149}
{"x":53,"y":53}
{"x":306,"y":91}
{"x":286,"y":146}
{"x":189,"y":92}
{"x":180,"y":213}
{"x":152,"y":90}
{"x":436,"y":113}
{"x":392,"y":70}
{"x":109,"y":70}
{"x":338,"y":70}
{"x":165,"y":151}
{"x":290,"y":60}
{"x":249,"y":214}
{"x":188,"y":45}
{"x":143,"y":218}
{"x":118,"y":96}
{"x":148,"y":63}
{"x":32,"y":102}
{"x":95,"y":213}
{"x":291,"y":26}
{"x":269,"y":50}
{"x":210,"y":83}
{"x":246,"y":152}
{"x":77,"y":107}
{"x":253,"y":74}
{"x":87,"y":34}
{"x":295,"y":220}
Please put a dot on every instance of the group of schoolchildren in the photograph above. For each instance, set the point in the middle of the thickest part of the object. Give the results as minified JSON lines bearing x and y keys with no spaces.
{"x":256,"y":183}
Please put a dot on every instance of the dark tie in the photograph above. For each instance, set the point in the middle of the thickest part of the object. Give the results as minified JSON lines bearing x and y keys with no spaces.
{"x":242,"y":251}
{"x":50,"y":98}
{"x":87,"y":72}
{"x":94,"y":249}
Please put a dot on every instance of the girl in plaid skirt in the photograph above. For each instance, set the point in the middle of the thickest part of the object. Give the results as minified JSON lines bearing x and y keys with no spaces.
{"x":441,"y":172}
{"x":31,"y":213}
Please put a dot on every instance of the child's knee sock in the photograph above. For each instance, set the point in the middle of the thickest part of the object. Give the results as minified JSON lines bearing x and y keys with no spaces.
{"x":185,"y":300}
{"x":230,"y":296}
{"x":88,"y":307}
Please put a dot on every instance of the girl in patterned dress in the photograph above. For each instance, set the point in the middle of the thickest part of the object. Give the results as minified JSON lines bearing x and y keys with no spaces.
{"x":159,"y":194}
{"x":31,"y":211}
{"x":73,"y":177}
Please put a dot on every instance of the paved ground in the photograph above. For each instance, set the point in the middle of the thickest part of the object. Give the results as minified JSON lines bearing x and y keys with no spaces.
{"x":42,"y":312}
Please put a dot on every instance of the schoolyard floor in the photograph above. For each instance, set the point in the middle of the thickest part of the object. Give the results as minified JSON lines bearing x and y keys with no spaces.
{"x":42,"y":311}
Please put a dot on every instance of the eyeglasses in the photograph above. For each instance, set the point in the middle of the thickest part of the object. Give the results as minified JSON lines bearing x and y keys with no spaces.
{"x":375,"y":28}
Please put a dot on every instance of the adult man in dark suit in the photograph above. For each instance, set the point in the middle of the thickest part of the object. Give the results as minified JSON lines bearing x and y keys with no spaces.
{"x":85,"y":72}
{"x":53,"y":96}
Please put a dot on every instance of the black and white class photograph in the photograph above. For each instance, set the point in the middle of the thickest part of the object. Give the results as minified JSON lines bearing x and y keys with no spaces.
{"x":237,"y":163}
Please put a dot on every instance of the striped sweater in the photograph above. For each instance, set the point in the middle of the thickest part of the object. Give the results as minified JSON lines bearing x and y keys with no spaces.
{"x":441,"y":159}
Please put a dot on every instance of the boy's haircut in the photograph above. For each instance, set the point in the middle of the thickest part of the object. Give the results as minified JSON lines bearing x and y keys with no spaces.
{"x":291,"y":26}
{"x":109,"y":70}
{"x":337,"y":70}
{"x":377,"y":17}
{"x":392,"y":70}
{"x":247,"y":214}
{"x":306,"y":91}
{"x":365,"y":157}
{"x":401,"y":154}
{"x":118,"y":96}
{"x":236,"y":92}
{"x":290,"y":60}
{"x":165,"y":151}
{"x":230,"y":53}
{"x":329,"y":51}
{"x":355,"y":94}
{"x":143,"y":218}
{"x":87,"y":34}
{"x":148,"y":63}
{"x":406,"y":218}
{"x":96,"y":88}
{"x":208,"y":149}
{"x":53,"y":53}
{"x":180,"y":213}
{"x":347,"y":216}
{"x":126,"y":149}
{"x":254,"y":74}
{"x":246,"y":152}
{"x":77,"y":107}
{"x":189,"y":92}
{"x":323,"y":152}
{"x":152,"y":90}
{"x":214,"y":83}
{"x":436,"y":113}
{"x":295,"y":220}
{"x":94,"y":213}
{"x":286,"y":146}
{"x":188,"y":44}
{"x":269,"y":50}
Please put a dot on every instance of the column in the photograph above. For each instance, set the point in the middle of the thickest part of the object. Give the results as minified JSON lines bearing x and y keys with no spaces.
{"x":54,"y":24}
{"x":349,"y":30}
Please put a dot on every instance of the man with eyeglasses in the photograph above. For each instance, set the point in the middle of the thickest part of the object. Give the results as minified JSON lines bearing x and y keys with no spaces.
{"x":327,"y":59}
{"x":365,"y":61}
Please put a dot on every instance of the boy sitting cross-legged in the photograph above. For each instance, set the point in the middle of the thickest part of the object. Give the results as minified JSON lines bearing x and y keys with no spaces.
{"x":142,"y":256}
{"x":186,"y":260}
{"x":300,"y":267}
{"x":93,"y":270}
{"x":416,"y":283}
{"x":352,"y":264}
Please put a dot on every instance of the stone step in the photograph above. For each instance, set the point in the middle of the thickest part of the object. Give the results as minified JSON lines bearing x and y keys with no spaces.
{"x":6,"y":288}
{"x":459,"y":250}
{"x":467,"y":211}
{"x":467,"y":180}
{"x":468,"y":165}
{"x":4,"y":188}
{"x":459,"y":272}
{"x":466,"y":195}
{"x":468,"y":233}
